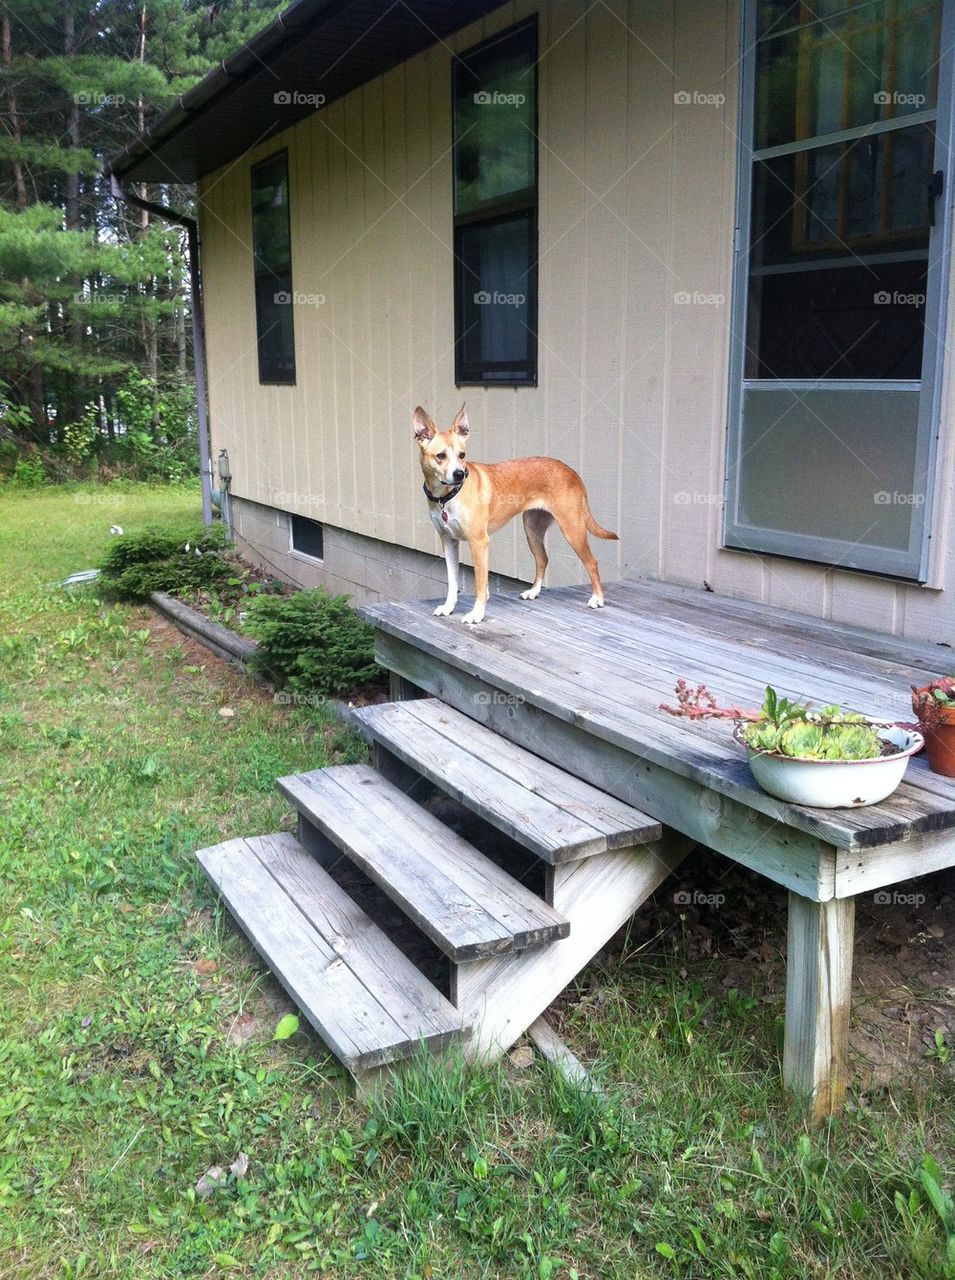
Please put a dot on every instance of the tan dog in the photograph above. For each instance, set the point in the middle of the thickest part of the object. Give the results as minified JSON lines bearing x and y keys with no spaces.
{"x":475,"y":500}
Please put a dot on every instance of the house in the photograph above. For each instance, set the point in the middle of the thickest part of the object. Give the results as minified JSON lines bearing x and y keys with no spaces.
{"x":701,"y":254}
{"x":704,"y":256}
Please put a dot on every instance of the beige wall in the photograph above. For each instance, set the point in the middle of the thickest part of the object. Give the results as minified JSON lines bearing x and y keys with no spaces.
{"x":636,"y":206}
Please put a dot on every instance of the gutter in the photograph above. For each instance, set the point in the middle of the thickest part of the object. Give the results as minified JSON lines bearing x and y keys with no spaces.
{"x":198,"y":327}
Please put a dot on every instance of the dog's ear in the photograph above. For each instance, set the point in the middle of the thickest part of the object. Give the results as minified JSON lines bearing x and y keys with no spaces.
{"x":460,"y":423}
{"x":422,"y":425}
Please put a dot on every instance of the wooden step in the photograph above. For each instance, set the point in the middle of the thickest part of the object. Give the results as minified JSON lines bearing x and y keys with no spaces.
{"x":550,"y":812}
{"x":365,"y":999}
{"x":453,"y":893}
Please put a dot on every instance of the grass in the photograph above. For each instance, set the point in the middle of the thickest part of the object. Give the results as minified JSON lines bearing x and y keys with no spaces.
{"x":136,"y":1027}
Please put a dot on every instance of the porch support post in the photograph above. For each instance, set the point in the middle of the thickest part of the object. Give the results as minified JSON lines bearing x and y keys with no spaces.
{"x":818,"y":984}
{"x":402,"y":690}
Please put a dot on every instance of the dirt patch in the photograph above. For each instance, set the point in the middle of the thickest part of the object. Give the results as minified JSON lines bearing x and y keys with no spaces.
{"x":725,"y":926}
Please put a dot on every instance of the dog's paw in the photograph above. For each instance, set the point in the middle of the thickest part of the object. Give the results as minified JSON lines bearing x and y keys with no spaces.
{"x":473,"y":618}
{"x":443,"y":611}
{"x":595,"y":602}
{"x":531,"y":593}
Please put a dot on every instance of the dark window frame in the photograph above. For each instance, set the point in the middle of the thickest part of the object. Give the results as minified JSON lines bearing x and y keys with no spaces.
{"x":281,"y":281}
{"x":313,"y":526}
{"x":527,"y":202}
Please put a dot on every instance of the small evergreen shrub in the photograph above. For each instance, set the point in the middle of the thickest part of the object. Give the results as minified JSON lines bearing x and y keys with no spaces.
{"x":29,"y":473}
{"x":155,"y":560}
{"x":311,"y":642}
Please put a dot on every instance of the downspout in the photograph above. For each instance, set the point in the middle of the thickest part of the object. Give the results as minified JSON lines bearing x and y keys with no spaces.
{"x":198,"y":327}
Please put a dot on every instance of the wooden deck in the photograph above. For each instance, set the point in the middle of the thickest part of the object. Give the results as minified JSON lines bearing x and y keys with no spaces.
{"x":582,"y":690}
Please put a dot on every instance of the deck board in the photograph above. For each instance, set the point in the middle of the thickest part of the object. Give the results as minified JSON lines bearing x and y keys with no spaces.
{"x":464,"y":902}
{"x":608,"y":672}
{"x":364,"y":997}
{"x":540,"y":806}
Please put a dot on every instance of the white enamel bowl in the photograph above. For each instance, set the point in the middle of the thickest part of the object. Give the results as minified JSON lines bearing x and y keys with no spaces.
{"x":835,"y":784}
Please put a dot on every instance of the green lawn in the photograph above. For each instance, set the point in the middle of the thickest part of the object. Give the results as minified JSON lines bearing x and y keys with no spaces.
{"x":136,"y":1028}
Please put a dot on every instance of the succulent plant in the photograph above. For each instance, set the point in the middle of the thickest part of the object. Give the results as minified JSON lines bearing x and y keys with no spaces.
{"x":803,"y":739}
{"x":930,"y":701}
{"x":791,"y":729}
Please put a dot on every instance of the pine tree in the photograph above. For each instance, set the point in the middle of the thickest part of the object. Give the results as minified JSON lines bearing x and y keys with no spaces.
{"x":90,"y":291}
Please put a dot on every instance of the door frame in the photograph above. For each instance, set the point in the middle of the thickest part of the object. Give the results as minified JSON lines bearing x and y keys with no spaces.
{"x":916,"y":564}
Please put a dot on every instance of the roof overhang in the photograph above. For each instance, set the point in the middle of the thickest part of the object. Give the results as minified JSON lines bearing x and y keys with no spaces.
{"x":312,"y":53}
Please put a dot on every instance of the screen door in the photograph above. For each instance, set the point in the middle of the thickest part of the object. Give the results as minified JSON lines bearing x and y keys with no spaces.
{"x":841,"y":264}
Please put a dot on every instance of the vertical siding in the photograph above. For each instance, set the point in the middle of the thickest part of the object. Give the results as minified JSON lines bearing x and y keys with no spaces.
{"x":637,"y":203}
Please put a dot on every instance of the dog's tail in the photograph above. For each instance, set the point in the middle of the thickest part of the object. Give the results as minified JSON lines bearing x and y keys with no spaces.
{"x":597,"y":530}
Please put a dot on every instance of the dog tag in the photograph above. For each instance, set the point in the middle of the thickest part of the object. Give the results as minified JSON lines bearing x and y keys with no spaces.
{"x":444,"y":516}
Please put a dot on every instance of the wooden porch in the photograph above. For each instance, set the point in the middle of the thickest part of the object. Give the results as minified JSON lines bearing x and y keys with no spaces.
{"x":582,"y":690}
{"x":395,"y":928}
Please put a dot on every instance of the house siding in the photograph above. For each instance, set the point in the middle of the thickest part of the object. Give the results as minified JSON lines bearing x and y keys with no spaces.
{"x":637,"y":205}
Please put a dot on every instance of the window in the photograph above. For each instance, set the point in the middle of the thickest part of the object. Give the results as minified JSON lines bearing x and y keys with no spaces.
{"x":272,"y":257}
{"x":308,"y":537}
{"x":838,"y":297}
{"x":495,"y":209}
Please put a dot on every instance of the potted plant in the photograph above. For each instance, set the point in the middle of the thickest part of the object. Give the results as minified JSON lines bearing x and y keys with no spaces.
{"x":830,"y":758}
{"x":934,"y":707}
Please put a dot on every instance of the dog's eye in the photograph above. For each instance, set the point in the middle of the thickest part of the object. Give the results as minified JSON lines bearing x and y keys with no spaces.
{"x":461,"y":456}
{"x":440,"y":456}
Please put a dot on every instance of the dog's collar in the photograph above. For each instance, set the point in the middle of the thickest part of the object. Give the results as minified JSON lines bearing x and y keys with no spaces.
{"x":455,"y":490}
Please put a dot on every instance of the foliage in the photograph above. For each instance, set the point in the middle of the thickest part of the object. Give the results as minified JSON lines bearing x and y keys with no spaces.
{"x":792,"y":729}
{"x":90,"y":288}
{"x":29,"y":473}
{"x":930,"y":701}
{"x":136,"y":1026}
{"x":311,"y":643}
{"x":698,"y":703}
{"x":155,"y":560}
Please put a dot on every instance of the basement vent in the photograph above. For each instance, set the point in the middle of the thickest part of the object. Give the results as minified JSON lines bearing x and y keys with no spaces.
{"x":308,"y":537}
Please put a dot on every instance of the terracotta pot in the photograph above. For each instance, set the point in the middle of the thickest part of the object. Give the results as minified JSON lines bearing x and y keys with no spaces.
{"x":940,"y":741}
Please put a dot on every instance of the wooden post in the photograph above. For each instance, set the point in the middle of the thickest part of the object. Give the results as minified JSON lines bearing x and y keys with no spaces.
{"x":818,"y":986}
{"x":402,"y":690}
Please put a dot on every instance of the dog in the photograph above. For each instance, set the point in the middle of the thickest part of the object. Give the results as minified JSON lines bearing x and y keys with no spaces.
{"x":474,"y":500}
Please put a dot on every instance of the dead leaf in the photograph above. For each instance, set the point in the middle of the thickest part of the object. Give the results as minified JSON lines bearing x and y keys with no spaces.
{"x":206,"y":966}
{"x":210,"y":1181}
{"x":522,"y":1057}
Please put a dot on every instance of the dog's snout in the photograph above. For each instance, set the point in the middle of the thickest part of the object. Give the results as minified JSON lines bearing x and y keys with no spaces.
{"x":458,"y":474}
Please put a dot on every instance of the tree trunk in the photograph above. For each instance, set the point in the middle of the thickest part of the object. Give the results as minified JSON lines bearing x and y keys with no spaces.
{"x":16,"y":131}
{"x":73,"y":216}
